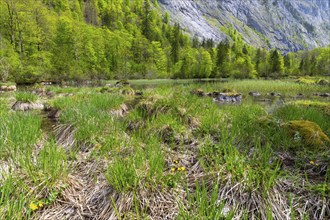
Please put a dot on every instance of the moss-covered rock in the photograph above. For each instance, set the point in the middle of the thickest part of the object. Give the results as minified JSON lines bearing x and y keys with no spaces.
{"x":310,"y":134}
{"x":229,"y":95}
{"x":198,"y":92}
{"x":229,"y":90}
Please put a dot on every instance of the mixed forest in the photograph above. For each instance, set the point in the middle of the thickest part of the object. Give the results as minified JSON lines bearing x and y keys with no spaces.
{"x":62,"y":40}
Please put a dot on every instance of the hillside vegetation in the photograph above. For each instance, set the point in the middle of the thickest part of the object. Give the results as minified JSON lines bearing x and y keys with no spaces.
{"x":61,"y":40}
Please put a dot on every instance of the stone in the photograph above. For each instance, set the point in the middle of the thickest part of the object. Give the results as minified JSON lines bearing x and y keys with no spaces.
{"x":254,"y":94}
{"x":325,"y":94}
{"x":228,"y":97}
{"x":11,"y":88}
{"x":26,"y":106}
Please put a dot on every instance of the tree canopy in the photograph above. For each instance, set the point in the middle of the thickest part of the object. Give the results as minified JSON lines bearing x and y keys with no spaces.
{"x":106,"y":39}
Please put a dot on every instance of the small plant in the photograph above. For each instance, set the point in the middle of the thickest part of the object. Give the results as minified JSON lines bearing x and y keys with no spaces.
{"x":122,"y":175}
{"x":26,"y":97}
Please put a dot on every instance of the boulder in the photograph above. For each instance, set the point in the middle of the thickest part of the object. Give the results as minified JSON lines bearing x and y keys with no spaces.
{"x":25,"y":106}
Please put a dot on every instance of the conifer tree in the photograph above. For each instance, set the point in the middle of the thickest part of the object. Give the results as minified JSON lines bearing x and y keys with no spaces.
{"x":277,"y":63}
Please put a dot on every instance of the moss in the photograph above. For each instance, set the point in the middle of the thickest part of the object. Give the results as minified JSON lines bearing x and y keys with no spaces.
{"x":198,"y":92}
{"x":307,"y":81}
{"x":309,"y":133}
{"x":125,"y":90}
{"x":267,"y":121}
{"x":228,"y":90}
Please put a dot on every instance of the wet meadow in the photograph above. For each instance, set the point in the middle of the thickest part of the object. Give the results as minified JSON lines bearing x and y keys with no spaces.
{"x":237,"y":149}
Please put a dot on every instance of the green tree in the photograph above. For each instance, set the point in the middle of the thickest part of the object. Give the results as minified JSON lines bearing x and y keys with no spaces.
{"x":175,"y":43}
{"x":223,"y":58}
{"x":204,"y":65}
{"x":276,"y":63}
{"x":147,"y":20}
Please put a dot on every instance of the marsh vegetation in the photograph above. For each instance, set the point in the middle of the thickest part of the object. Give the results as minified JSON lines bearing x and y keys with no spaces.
{"x":167,"y":152}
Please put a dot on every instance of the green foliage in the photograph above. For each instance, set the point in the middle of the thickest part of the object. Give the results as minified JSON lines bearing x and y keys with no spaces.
{"x":276,"y":63}
{"x":26,"y":97}
{"x":63,"y":40}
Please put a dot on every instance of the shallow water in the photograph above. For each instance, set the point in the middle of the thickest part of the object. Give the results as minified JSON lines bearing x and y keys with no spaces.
{"x":270,"y":103}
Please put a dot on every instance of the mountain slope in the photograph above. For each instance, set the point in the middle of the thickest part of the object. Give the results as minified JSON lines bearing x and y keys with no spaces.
{"x":288,"y":25}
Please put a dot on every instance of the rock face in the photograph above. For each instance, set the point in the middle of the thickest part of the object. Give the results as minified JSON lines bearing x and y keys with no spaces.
{"x":288,"y":25}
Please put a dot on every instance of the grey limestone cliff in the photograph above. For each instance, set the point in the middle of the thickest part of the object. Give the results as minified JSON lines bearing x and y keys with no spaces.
{"x":288,"y":25}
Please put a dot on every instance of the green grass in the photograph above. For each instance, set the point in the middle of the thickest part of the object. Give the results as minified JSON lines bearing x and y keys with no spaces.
{"x":7,"y":83}
{"x":26,"y":97}
{"x":171,"y":154}
{"x":285,"y":87}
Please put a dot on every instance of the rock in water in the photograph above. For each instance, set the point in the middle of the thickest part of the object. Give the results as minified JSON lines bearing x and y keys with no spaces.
{"x":25,"y":106}
{"x":254,"y":94}
{"x":228,"y":97}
